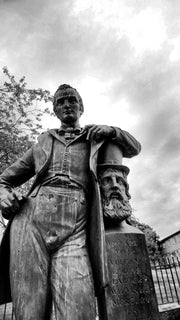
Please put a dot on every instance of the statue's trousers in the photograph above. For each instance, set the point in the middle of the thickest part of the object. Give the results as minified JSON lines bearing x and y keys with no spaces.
{"x":49,"y":257}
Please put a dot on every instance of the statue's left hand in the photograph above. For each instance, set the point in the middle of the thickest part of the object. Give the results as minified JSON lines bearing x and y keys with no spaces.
{"x":98,"y":132}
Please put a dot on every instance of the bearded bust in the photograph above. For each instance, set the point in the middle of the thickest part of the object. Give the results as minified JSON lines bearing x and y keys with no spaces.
{"x":112,"y":177}
{"x":115,"y":195}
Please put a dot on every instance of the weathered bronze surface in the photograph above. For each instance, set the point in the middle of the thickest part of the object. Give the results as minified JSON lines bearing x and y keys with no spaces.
{"x":130,"y":294}
{"x":47,"y":239}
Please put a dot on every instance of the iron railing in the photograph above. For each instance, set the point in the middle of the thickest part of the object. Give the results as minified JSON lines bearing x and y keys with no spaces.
{"x":166,"y":276}
{"x":6,"y":312}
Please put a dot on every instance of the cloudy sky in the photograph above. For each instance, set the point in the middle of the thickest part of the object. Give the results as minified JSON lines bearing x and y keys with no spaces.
{"x":123,"y":56}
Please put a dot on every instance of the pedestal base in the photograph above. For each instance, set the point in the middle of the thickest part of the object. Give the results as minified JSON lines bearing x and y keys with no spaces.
{"x":130,"y":294}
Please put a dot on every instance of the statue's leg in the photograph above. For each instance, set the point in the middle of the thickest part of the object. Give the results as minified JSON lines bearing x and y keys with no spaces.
{"x":29,"y":268}
{"x":71,"y":276}
{"x":72,"y":282}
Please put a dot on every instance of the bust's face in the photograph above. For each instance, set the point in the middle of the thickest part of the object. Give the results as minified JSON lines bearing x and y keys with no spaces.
{"x":113,"y":184}
{"x":67,"y":106}
{"x":115,"y":196}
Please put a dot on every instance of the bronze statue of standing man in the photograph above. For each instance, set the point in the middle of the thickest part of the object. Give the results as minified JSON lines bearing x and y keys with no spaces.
{"x":47,"y":232}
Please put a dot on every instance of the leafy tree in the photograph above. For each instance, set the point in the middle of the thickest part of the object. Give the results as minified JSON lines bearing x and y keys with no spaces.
{"x":21,"y":111}
{"x":152,"y":239}
{"x":20,"y":115}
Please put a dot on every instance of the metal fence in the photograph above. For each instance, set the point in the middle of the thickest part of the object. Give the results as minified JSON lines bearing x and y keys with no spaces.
{"x":166,"y":276}
{"x":6,"y":312}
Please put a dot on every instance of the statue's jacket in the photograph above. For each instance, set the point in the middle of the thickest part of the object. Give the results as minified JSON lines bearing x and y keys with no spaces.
{"x":36,"y":162}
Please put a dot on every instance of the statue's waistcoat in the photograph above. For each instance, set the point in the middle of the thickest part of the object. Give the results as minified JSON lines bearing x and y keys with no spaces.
{"x":72,"y":161}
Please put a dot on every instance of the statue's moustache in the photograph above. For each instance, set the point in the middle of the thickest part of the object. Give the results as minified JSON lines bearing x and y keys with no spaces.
{"x":116,"y":195}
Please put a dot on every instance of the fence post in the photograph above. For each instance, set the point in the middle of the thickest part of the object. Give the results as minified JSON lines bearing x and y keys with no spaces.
{"x":4,"y":315}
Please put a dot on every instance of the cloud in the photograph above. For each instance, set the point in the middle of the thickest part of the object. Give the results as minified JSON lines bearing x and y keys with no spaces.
{"x":130,"y":49}
{"x":152,"y":90}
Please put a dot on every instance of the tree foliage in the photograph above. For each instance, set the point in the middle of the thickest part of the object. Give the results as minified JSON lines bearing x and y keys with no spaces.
{"x":20,"y":115}
{"x":152,"y":238}
{"x":21,"y":111}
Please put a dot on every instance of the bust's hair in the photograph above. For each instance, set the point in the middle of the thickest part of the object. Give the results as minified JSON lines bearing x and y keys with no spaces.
{"x":64,"y":87}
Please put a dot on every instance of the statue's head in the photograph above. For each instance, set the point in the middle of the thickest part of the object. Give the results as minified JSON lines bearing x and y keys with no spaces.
{"x":112,"y":176}
{"x":68,"y":98}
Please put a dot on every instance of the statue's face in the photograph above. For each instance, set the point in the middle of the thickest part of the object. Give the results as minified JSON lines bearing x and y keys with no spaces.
{"x":67,"y":106}
{"x":115,"y":196}
{"x":113,"y":184}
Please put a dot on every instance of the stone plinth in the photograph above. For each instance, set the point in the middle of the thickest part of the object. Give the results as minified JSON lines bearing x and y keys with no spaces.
{"x":130,"y":294}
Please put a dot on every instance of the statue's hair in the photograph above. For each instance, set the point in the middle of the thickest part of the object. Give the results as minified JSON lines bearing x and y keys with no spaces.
{"x":64,"y":87}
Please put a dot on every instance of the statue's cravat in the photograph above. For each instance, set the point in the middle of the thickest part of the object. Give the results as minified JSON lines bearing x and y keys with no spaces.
{"x":69,"y":133}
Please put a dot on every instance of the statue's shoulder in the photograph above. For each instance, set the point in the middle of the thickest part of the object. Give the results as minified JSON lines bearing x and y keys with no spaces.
{"x":46,"y":135}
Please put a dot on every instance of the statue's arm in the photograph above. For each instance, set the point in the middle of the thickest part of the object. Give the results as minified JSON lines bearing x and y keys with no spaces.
{"x":129,"y":145}
{"x":19,"y":172}
{"x":15,"y":175}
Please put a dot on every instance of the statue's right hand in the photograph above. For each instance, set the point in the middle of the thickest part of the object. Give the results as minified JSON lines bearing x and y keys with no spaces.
{"x":9,"y":203}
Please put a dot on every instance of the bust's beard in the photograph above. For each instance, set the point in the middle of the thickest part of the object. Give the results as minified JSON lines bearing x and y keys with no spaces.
{"x":116,"y":210}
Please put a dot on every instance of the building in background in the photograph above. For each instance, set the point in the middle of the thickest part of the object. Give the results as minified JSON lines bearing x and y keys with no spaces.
{"x":170,"y":245}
